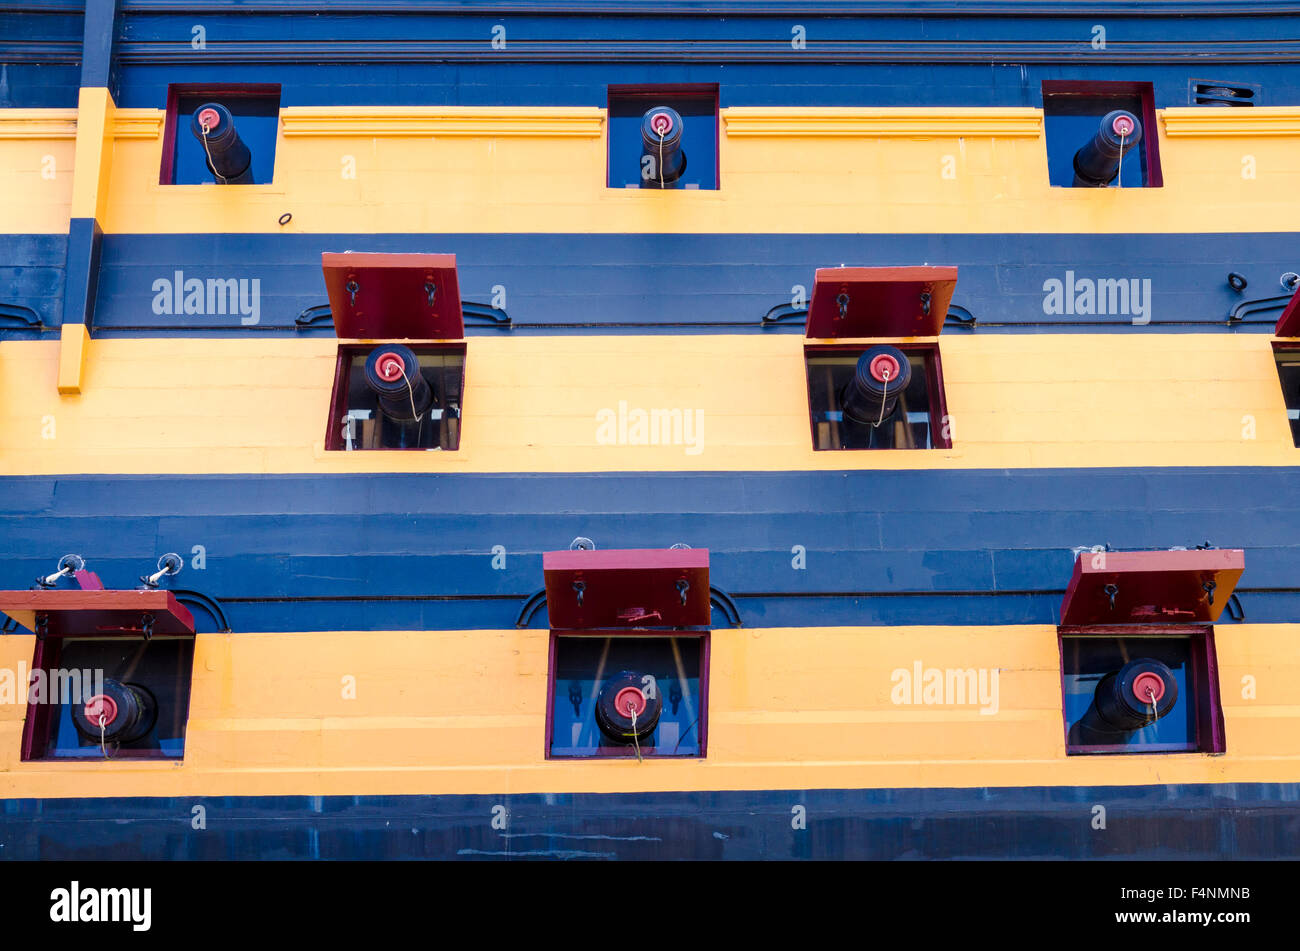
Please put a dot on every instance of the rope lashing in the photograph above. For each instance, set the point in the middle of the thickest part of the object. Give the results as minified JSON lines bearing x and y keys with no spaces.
{"x":631,"y":709}
{"x":211,"y":165}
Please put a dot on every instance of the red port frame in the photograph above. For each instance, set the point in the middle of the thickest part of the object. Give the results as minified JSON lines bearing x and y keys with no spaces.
{"x":617,"y":753}
{"x":346,"y":351}
{"x":1095,"y":89}
{"x":708,"y":92}
{"x":167,"y":172}
{"x":40,"y":716}
{"x":1211,"y":736}
{"x":934,"y":373}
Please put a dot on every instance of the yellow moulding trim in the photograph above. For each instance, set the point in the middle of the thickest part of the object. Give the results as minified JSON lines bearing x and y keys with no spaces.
{"x":138,"y":123}
{"x":751,"y":121}
{"x":1241,"y":122}
{"x":38,"y":123}
{"x":399,"y":121}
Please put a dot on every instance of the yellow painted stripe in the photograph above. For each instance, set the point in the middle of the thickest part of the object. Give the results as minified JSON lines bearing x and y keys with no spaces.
{"x":533,"y":404}
{"x":36,"y":170}
{"x":881,"y":123}
{"x":462,"y":121}
{"x":464,"y":712}
{"x":515,"y":170}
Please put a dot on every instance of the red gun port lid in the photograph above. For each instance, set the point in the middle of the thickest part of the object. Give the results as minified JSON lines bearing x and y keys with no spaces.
{"x":880,"y":301}
{"x":627,"y":588}
{"x":393,"y":296}
{"x":1151,"y":587}
{"x":1288,"y":325}
{"x":67,"y":613}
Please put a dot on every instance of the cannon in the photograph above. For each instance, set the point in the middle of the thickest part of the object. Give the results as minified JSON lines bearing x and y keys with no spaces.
{"x":1097,"y":163}
{"x":662,"y":160}
{"x":882,"y":374}
{"x":1126,"y":700}
{"x":226,"y":155}
{"x":122,"y":713}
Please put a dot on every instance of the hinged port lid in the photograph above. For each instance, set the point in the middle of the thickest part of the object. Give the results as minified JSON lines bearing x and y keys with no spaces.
{"x":68,"y":613}
{"x":1288,"y":325}
{"x":1151,"y":587}
{"x":880,"y":301}
{"x":627,"y":588}
{"x":393,"y":296}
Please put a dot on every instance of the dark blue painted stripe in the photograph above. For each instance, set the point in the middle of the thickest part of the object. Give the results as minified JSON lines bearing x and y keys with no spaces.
{"x":32,"y":269}
{"x":575,"y":283}
{"x":392,"y":552}
{"x":40,"y":54}
{"x":1228,"y":821}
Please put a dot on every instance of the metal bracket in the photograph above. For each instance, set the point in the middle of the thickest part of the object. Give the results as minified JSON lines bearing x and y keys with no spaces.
{"x":722,"y":600}
{"x":20,"y":313}
{"x":783,"y":312}
{"x":843,"y":302}
{"x":530,"y":608}
{"x":961,"y":315}
{"x":311,"y":315}
{"x":485,"y":312}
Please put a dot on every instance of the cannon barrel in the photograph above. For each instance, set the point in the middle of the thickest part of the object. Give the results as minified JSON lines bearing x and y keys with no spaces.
{"x":619,"y":698}
{"x":1097,"y":163}
{"x":1135,"y":696}
{"x":661,"y":141}
{"x":225,"y":153}
{"x":393,"y":374}
{"x":127,"y":712}
{"x":882,"y":375}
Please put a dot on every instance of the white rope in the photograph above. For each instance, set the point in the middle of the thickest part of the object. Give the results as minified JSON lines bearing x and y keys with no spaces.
{"x":211,"y":165}
{"x":419,"y":417}
{"x":661,"y":159}
{"x":884,"y":398}
{"x":102,"y":748}
{"x":631,"y":708}
{"x":1119,"y":175}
